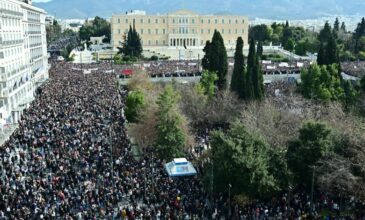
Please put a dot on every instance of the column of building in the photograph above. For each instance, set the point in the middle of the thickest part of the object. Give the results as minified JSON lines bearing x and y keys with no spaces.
{"x":181,"y":42}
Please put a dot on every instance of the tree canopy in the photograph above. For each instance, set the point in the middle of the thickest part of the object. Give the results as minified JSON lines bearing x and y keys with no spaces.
{"x":241,"y":159}
{"x":95,"y":28}
{"x":215,"y":59}
{"x":132,"y":45}
{"x":170,"y":135}
{"x":238,"y":81}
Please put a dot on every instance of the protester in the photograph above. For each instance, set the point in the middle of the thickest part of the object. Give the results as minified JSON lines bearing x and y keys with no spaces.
{"x":71,"y":158}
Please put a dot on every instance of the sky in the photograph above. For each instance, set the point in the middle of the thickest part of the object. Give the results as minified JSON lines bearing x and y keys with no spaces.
{"x":274,"y":9}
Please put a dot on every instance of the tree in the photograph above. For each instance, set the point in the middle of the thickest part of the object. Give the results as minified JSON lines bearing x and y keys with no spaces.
{"x":301,"y":47}
{"x":95,"y":28}
{"x":134,"y":105}
{"x":363,"y":83}
{"x":205,"y":60}
{"x":260,"y":49}
{"x":215,"y":59}
{"x":287,"y":34}
{"x":254,"y":78}
{"x":132,"y":45}
{"x":336,"y":25}
{"x":238,"y":81}
{"x":170,"y":135}
{"x":260,"y":32}
{"x":53,"y":31}
{"x":313,"y":144}
{"x":336,"y":28}
{"x":290,"y":45}
{"x":322,"y":82}
{"x":328,"y":51}
{"x":207,"y":83}
{"x":242,"y":160}
{"x":359,"y":32}
{"x":343,"y":27}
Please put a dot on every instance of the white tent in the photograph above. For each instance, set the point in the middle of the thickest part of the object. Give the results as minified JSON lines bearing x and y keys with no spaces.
{"x":180,"y":167}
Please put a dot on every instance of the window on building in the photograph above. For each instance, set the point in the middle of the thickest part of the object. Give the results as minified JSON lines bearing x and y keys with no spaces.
{"x":236,"y":21}
{"x":222,"y":31}
{"x":235,"y":31}
{"x":202,"y":31}
{"x":149,"y":31}
{"x":141,"y":31}
{"x":163,"y":31}
{"x":202,"y":21}
{"x":156,"y":31}
{"x":243,"y":21}
{"x":173,"y":31}
{"x":173,"y":20}
{"x":149,"y":42}
{"x":156,"y":42}
{"x":118,"y":31}
{"x":222,"y":21}
{"x":208,"y":31}
{"x":118,"y":20}
{"x":156,"y":21}
{"x":216,"y":21}
{"x":243,"y":31}
{"x":229,"y":31}
{"x":141,"y":20}
{"x":149,"y":21}
{"x":193,"y":20}
{"x":163,"y":42}
{"x":163,"y":20}
{"x":208,"y":21}
{"x":193,"y":31}
{"x":229,"y":21}
{"x":126,"y":21}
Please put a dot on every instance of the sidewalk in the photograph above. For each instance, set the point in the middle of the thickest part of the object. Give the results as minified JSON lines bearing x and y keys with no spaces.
{"x":6,"y":132}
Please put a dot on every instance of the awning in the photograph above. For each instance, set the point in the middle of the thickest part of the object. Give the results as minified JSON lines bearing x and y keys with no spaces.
{"x":180,"y":167}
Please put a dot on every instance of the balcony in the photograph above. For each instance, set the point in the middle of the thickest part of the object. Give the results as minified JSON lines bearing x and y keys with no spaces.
{"x":4,"y":93}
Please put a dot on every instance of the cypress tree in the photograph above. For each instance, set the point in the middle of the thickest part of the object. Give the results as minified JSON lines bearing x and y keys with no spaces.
{"x":258,"y":80}
{"x":331,"y":51}
{"x":321,"y":57}
{"x":328,"y":51}
{"x":137,"y":45}
{"x":206,"y":58}
{"x":260,"y":49}
{"x":249,"y":91}
{"x":336,"y":25}
{"x":238,"y":84}
{"x":215,"y":59}
{"x":343,"y":27}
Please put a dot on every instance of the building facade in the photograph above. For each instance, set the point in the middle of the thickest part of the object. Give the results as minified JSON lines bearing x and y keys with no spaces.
{"x":23,"y":56}
{"x":181,"y":29}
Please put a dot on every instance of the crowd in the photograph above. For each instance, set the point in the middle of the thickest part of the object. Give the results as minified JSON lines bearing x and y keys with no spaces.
{"x":356,"y":69}
{"x":71,"y":158}
{"x":173,"y":67}
{"x":61,"y":43}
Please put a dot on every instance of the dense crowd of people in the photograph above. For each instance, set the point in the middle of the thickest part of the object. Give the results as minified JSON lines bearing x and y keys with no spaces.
{"x":356,"y":68}
{"x":71,"y":158}
{"x":183,"y":68}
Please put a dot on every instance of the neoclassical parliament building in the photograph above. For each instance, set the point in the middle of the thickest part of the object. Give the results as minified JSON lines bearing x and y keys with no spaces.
{"x":178,"y":30}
